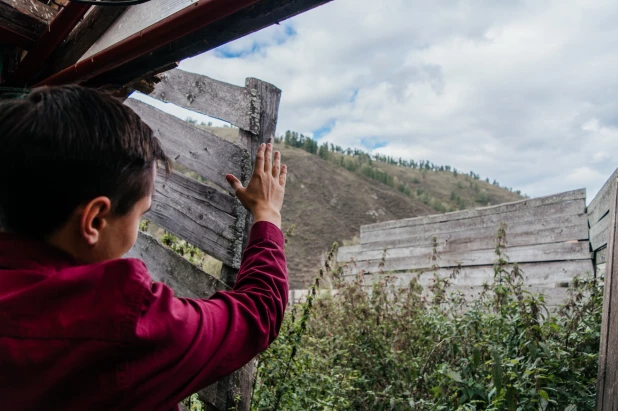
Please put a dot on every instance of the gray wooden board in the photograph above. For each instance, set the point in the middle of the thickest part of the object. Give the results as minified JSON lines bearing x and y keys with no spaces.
{"x":607,"y":379}
{"x":203,"y":152}
{"x":599,"y":233}
{"x":549,"y":274}
{"x":531,"y":214}
{"x":197,"y":213}
{"x":535,"y":232}
{"x":213,"y":98}
{"x":601,"y":256}
{"x":135,"y":19}
{"x":553,"y":296}
{"x":165,"y":266}
{"x":421,"y":257}
{"x":600,"y":204}
{"x":478,"y":212}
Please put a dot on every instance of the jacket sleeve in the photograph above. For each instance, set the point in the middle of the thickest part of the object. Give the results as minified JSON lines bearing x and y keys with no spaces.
{"x":190,"y":343}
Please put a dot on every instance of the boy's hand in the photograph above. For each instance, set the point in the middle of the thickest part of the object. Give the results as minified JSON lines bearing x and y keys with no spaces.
{"x":263,"y":196}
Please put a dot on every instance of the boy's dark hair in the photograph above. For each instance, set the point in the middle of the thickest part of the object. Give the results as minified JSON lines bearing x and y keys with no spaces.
{"x":63,"y":146}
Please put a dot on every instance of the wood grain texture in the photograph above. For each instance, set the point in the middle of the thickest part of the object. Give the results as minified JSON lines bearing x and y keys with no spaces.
{"x":546,"y":274}
{"x":32,"y":11}
{"x":20,"y":23}
{"x":165,"y":266}
{"x":551,"y":230}
{"x":203,"y":152}
{"x":251,"y":19}
{"x":600,"y":232}
{"x":601,"y":203}
{"x":479,"y":212}
{"x":95,"y":24}
{"x":197,"y":213}
{"x":207,"y":96}
{"x":607,"y":380}
{"x":516,"y":217}
{"x":421,"y":257}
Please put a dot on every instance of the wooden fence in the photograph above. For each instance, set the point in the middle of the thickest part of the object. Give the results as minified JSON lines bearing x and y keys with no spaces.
{"x":547,"y":236}
{"x":604,"y":216}
{"x":205,"y":214}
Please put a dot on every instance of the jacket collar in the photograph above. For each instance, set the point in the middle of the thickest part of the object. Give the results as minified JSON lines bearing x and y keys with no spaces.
{"x":20,"y":251}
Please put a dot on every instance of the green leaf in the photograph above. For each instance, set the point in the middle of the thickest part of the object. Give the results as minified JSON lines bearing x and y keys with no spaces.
{"x":455,"y":376}
{"x":544,"y":394}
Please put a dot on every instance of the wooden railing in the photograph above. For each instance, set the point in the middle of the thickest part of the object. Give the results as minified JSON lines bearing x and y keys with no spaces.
{"x":205,"y":213}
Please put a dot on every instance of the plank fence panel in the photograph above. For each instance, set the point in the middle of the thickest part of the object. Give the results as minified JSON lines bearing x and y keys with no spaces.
{"x":601,"y":203}
{"x":203,"y":152}
{"x":607,"y":380}
{"x":210,"y":97}
{"x":478,"y":212}
{"x":421,"y":257}
{"x":573,"y":208}
{"x":164,"y":265}
{"x":197,"y":213}
{"x":534,"y":232}
{"x":599,"y":233}
{"x":546,"y":274}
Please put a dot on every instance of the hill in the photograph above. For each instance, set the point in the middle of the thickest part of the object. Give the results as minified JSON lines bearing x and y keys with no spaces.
{"x":331,"y":194}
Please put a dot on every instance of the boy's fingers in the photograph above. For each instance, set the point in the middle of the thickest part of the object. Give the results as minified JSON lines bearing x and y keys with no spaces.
{"x":268,"y":159}
{"x":259,"y":159}
{"x":234,"y":182}
{"x":277,"y":165}
{"x":284,"y":175}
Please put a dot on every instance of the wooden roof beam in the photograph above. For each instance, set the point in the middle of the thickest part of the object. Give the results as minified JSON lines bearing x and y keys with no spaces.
{"x":34,"y":14}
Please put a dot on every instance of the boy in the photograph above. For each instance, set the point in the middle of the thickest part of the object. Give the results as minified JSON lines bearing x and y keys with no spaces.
{"x":81,"y":328}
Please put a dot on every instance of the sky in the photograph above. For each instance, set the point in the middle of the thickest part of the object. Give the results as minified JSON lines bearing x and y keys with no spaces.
{"x":524,"y":92}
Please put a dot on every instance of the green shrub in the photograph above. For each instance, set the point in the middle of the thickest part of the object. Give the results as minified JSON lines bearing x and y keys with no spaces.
{"x":374,"y":345}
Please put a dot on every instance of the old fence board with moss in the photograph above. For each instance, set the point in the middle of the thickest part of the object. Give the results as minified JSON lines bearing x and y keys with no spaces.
{"x":548,"y":237}
{"x":202,"y":211}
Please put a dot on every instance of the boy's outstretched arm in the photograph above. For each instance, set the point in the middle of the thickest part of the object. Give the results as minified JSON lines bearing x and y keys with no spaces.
{"x":187,"y":344}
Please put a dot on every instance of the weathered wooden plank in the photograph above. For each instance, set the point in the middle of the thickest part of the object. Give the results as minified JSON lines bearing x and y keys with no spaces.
{"x":34,"y":14}
{"x":479,"y":212}
{"x":165,"y":266}
{"x":253,"y":18}
{"x":27,"y":38}
{"x":197,"y":213}
{"x":551,"y":230}
{"x":213,"y":98}
{"x":421,"y":257}
{"x":599,"y":233}
{"x":95,"y":24}
{"x":600,"y":204}
{"x":135,"y":19}
{"x":203,"y":152}
{"x":531,"y":214}
{"x":601,"y":256}
{"x":546,"y":274}
{"x":607,"y":380}
{"x":20,"y":23}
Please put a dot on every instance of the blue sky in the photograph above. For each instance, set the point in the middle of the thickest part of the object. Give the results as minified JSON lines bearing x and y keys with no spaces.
{"x":522,"y":91}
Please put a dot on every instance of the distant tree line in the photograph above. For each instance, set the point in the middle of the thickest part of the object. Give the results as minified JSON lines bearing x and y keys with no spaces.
{"x":361,"y":161}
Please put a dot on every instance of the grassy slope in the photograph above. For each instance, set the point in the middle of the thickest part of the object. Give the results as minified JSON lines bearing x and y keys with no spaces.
{"x":327,"y":203}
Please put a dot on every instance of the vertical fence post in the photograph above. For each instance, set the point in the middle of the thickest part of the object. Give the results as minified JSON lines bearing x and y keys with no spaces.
{"x":234,"y":391}
{"x":607,"y":380}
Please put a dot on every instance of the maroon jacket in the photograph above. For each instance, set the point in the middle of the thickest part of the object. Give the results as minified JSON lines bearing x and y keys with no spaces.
{"x":106,"y":337}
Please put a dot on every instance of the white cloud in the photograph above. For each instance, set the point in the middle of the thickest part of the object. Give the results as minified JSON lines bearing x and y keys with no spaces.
{"x":523,"y":91}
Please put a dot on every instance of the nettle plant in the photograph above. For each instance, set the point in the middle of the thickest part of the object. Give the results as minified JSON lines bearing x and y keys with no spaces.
{"x":373,"y":345}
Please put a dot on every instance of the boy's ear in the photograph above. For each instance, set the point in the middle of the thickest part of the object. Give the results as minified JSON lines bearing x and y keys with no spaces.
{"x":94,"y":218}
